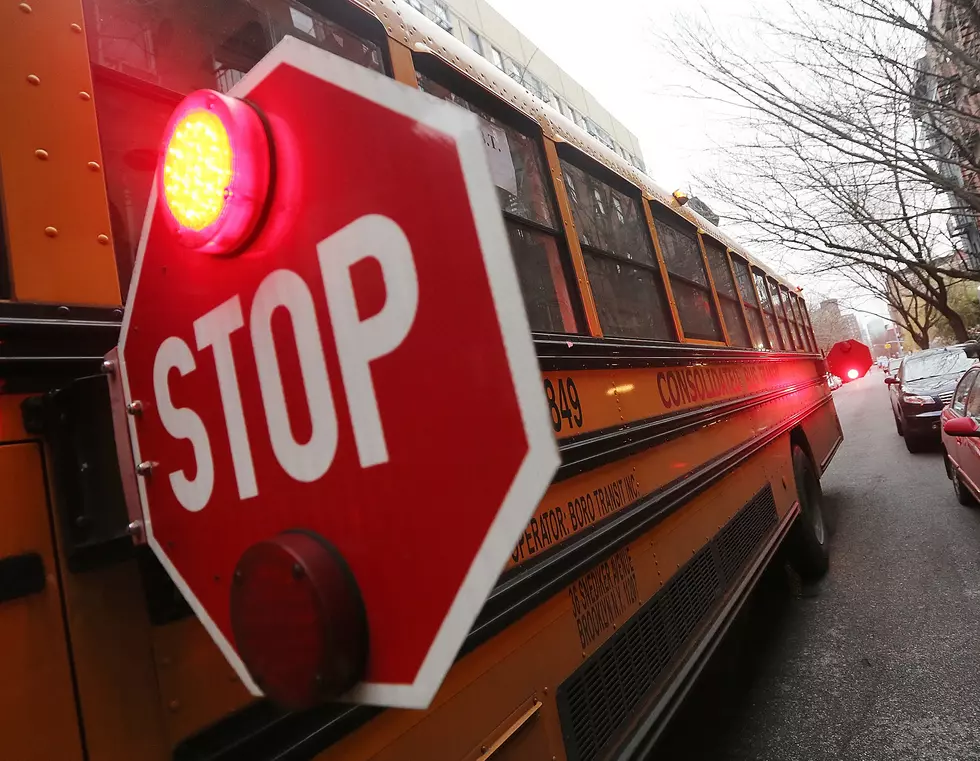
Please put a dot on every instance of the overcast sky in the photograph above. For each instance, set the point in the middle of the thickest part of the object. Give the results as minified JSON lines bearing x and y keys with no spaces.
{"x":611,"y":48}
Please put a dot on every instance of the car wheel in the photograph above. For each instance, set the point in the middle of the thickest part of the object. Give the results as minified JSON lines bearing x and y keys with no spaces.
{"x":963,"y":495}
{"x":898,"y":426}
{"x":914,"y":444}
{"x":809,"y":552}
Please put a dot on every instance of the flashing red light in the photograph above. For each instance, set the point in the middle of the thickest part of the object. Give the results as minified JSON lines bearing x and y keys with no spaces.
{"x":215,"y":170}
{"x":853,"y":374}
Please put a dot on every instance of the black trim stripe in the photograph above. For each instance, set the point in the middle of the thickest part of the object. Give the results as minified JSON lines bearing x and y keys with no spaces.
{"x":300,"y":736}
{"x":573,"y":352}
{"x":590,"y":450}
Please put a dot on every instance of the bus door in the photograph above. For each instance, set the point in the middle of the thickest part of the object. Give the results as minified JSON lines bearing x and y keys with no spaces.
{"x":38,"y":713}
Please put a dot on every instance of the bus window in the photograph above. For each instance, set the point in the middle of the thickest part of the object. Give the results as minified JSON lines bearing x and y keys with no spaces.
{"x":688,"y":278}
{"x":725,"y":286}
{"x":767,"y":313}
{"x":517,"y":168}
{"x":794,"y":309}
{"x":780,"y":312}
{"x":623,"y":270}
{"x":759,"y":338}
{"x":146,"y":56}
{"x":791,"y":316}
{"x":805,"y":322}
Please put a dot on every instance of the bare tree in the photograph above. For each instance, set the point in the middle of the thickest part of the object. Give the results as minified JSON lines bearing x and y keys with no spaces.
{"x":862,"y":134}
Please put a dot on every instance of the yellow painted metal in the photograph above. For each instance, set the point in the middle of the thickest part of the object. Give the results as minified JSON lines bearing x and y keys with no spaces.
{"x":56,"y":215}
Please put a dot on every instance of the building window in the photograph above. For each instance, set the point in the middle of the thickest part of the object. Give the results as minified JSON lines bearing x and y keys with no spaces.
{"x":441,"y":14}
{"x":473,"y":40}
{"x":496,"y":58}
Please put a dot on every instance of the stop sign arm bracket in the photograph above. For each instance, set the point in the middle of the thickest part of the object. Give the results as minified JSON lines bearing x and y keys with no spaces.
{"x":124,"y":448}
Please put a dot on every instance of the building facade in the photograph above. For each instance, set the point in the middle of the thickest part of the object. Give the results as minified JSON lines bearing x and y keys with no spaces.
{"x":830,"y":325}
{"x":488,"y":33}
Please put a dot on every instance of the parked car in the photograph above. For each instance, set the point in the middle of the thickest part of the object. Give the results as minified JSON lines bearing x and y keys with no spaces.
{"x":961,"y":438}
{"x":891,"y":367}
{"x":924,"y":384}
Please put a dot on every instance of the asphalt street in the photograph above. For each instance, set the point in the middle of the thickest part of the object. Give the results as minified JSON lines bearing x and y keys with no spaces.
{"x":879,"y":661}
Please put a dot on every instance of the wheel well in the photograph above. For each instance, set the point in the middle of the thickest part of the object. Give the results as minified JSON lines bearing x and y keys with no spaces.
{"x":798,"y":438}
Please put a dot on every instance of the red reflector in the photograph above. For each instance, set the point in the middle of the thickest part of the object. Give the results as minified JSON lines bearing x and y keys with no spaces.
{"x":214,"y":173}
{"x":298,"y":619}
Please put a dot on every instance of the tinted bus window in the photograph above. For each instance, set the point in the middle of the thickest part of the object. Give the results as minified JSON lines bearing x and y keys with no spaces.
{"x":147,"y":55}
{"x":780,"y":312}
{"x":794,"y":324}
{"x":688,"y":280}
{"x":767,"y":313}
{"x":759,"y":338}
{"x":517,"y":168}
{"x":619,"y":257}
{"x":725,"y":287}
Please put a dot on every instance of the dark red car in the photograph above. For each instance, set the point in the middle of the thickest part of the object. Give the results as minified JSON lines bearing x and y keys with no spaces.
{"x":961,"y":438}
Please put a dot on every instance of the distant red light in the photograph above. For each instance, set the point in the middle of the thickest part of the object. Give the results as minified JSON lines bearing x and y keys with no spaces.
{"x":853,"y":374}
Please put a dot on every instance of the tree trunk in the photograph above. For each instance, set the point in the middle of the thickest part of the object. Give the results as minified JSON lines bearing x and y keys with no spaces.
{"x":921,"y":339}
{"x":956,"y":323}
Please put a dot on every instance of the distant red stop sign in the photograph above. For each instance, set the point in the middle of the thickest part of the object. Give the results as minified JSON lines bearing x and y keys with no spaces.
{"x":361,"y":374}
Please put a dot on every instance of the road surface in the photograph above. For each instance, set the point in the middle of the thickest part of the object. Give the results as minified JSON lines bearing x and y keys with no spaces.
{"x":881,"y":660}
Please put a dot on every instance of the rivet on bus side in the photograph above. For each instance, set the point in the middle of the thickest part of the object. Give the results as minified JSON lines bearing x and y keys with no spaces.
{"x":174,"y":705}
{"x":25,"y":7}
{"x":33,"y":79}
{"x":41,"y":154}
{"x":135,"y":407}
{"x":84,"y":95}
{"x":145,"y":468}
{"x":51,"y":232}
{"x":135,"y":528}
{"x":94,"y":166}
{"x":108,"y":367}
{"x":784,"y":482}
{"x":103,"y":239}
{"x":76,"y":28}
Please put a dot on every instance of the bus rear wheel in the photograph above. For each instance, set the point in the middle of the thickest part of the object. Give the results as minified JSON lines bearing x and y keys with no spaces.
{"x":807,"y":542}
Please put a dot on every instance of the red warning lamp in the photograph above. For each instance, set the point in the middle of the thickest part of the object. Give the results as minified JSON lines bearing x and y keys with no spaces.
{"x":298,"y":619}
{"x":853,"y":373}
{"x":214,"y":171}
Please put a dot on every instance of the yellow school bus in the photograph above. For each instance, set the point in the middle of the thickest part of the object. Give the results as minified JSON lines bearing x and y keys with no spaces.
{"x":682,"y":377}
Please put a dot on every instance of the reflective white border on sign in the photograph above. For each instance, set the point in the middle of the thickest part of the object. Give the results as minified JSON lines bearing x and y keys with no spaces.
{"x":535,"y":472}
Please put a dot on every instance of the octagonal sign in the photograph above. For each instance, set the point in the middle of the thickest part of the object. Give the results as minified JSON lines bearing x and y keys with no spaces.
{"x":359,"y":378}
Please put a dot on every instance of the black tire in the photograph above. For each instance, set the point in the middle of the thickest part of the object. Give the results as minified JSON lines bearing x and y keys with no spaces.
{"x":914,"y":444}
{"x":898,"y":426}
{"x":808,"y":551}
{"x":963,"y":495}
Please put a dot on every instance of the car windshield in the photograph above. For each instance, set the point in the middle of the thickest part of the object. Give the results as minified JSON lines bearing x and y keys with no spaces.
{"x":930,"y":365}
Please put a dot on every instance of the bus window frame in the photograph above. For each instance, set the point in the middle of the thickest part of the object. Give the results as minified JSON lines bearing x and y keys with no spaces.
{"x":755,"y":292}
{"x":706,"y":240}
{"x":784,"y":294}
{"x":785,"y":324}
{"x":457,"y":82}
{"x":585,"y":163}
{"x":667,"y":216}
{"x":760,"y":275}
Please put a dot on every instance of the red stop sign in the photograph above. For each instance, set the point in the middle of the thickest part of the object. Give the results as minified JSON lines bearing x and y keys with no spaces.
{"x":363,"y":371}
